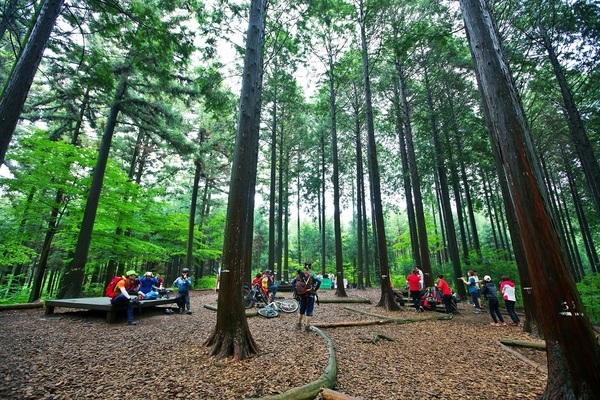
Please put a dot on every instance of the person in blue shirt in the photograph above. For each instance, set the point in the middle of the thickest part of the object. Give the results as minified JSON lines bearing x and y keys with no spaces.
{"x":148,"y":286}
{"x":471,"y":283}
{"x":183,"y":284}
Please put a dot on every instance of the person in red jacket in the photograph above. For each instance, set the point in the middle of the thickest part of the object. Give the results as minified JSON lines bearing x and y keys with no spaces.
{"x":414,"y":287}
{"x":446,"y":294}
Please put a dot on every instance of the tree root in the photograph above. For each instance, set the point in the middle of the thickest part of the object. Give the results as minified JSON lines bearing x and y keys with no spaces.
{"x":376,"y":337}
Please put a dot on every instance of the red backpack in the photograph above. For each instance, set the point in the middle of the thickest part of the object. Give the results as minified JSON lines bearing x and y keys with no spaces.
{"x":112,"y":285}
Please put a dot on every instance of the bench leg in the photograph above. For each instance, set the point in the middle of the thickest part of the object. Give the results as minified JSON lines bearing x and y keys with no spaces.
{"x":111,"y":316}
{"x":49,"y":310}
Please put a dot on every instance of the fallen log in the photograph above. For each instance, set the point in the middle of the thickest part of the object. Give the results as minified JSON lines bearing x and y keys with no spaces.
{"x":214,"y":308}
{"x":523,"y":343}
{"x":376,"y":337}
{"x":350,"y":323}
{"x":312,"y":389}
{"x":396,"y":320}
{"x":342,"y":300}
{"x":21,"y":306}
{"x":329,"y":394}
{"x":538,"y":367}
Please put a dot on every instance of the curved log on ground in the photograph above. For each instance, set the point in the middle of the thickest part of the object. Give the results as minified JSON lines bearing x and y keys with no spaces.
{"x":312,"y":389}
{"x":538,"y":367}
{"x":523,"y":343}
{"x":396,"y":320}
{"x":342,"y":300}
{"x":329,"y":394}
{"x":21,"y":306}
{"x":214,"y":308}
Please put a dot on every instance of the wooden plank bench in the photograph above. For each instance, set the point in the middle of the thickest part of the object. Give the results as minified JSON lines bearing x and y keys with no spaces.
{"x":101,"y":304}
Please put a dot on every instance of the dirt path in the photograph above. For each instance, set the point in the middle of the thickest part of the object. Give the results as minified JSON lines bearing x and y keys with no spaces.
{"x":77,"y":355}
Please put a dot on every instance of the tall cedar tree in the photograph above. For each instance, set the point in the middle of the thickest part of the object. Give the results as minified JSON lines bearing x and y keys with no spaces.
{"x":572,"y":373}
{"x":231,"y":336}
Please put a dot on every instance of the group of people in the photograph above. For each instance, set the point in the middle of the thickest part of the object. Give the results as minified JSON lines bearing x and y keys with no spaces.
{"x":128,"y":290}
{"x":488,"y":288}
{"x":265,"y":282}
{"x":476,"y":289}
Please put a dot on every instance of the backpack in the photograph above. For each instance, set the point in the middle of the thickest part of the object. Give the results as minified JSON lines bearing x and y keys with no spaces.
{"x":304,"y":284}
{"x":110,"y":288}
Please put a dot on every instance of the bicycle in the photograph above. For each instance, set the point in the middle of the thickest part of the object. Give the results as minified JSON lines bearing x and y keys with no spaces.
{"x":272,"y":309}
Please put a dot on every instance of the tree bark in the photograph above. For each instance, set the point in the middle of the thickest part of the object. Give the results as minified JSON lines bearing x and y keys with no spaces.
{"x":17,"y":87}
{"x":572,"y":373}
{"x":231,"y":336}
{"x":72,"y":281}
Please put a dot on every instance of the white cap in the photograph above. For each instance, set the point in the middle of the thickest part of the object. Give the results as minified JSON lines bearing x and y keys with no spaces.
{"x":487,"y":278}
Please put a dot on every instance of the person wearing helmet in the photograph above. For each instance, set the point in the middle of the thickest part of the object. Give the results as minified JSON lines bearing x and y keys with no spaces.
{"x":183,"y":284}
{"x":490,"y":291}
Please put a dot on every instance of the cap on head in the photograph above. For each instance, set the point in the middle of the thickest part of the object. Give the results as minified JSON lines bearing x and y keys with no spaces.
{"x":131,"y":272}
{"x":148,"y":273}
{"x":487,"y":278}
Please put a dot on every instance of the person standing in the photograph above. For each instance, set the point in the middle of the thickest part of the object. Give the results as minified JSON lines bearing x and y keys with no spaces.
{"x":471,"y":283}
{"x":414,"y":287}
{"x":489,"y":289}
{"x":305,"y":286}
{"x":446,"y":294}
{"x":183,"y":284}
{"x":119,"y":293}
{"x":507,"y":288}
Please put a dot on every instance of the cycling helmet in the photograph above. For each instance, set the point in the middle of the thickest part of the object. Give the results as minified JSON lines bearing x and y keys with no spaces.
{"x":186,"y":270}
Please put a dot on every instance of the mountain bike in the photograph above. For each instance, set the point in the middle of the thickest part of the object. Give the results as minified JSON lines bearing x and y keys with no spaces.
{"x":272,"y":309}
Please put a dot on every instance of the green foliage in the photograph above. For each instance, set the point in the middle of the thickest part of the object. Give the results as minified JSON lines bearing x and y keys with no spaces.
{"x":206,"y":282}
{"x":589,"y":290}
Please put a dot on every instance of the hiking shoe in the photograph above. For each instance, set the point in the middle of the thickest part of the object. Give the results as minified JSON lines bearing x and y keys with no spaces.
{"x":514,"y":324}
{"x":131,"y":323}
{"x":181,"y":311}
{"x":307,"y":328}
{"x":421,"y":309}
{"x":299,"y":326}
{"x":189,"y":312}
{"x":477,"y":311}
{"x":502,"y":323}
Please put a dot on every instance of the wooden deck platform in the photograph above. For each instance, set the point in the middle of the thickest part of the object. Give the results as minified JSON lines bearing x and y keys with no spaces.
{"x":101,"y":304}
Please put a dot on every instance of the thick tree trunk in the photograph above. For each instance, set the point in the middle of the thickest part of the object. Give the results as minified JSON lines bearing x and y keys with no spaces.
{"x":189,"y":253}
{"x":17,"y":87}
{"x":231,"y":336}
{"x":572,"y":373}
{"x":272,"y":185}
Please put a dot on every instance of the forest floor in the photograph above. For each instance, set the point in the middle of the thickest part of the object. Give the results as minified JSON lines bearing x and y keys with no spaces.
{"x":75,"y":354}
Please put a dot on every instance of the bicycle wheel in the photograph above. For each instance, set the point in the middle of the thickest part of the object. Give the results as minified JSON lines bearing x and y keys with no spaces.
{"x":287,"y":305}
{"x":248,"y":300}
{"x":268,"y":312}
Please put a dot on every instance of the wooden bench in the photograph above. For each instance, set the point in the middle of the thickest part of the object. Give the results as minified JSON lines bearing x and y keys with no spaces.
{"x":101,"y":304}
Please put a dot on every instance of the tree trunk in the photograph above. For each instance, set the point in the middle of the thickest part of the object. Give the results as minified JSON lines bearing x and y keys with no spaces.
{"x":416,"y":185}
{"x":17,"y":87}
{"x":189,"y":259}
{"x":337,"y":224}
{"x":272,"y":185}
{"x":232,"y":336}
{"x":572,"y":373}
{"x":579,"y":137}
{"x":72,"y":280}
{"x":410,"y":208}
{"x":444,"y":193}
{"x":386,"y":300}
